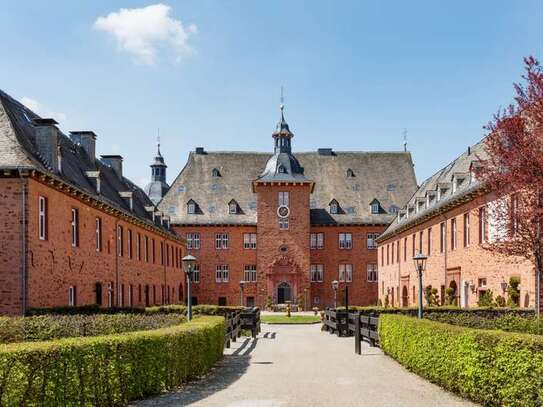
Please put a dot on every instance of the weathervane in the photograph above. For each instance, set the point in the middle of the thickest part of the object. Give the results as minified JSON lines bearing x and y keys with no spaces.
{"x":404,"y":139}
{"x":282,"y":106}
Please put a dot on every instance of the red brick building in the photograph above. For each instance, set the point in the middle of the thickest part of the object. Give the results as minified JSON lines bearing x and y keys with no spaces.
{"x":286,"y":224}
{"x":73,"y":229}
{"x":449,"y":219}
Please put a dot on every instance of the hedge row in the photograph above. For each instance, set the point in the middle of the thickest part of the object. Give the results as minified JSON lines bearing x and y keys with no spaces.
{"x":196,"y":310}
{"x":90,"y":309}
{"x":47,"y":327}
{"x":506,"y":319}
{"x":493,"y":368}
{"x":108,"y":370}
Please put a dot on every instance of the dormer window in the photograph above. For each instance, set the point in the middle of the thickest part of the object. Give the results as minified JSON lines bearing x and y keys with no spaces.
{"x":282,"y":170}
{"x":350,"y":173}
{"x":375,"y":207}
{"x":393,"y":209}
{"x":192,"y":207}
{"x":334,"y":207}
{"x":215,"y":173}
{"x":233,"y":207}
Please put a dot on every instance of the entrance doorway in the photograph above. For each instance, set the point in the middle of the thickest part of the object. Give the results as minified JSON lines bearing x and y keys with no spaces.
{"x":405,"y":297}
{"x":283,"y":293}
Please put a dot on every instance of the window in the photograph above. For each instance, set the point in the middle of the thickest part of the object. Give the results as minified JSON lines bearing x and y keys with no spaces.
{"x":215,"y":173}
{"x":375,"y":208}
{"x":222,"y":301}
{"x":193,"y":241}
{"x":74,"y":226}
{"x":317,"y":273}
{"x":283,"y":224}
{"x":514,"y":214}
{"x":196,"y":274}
{"x":453,"y":234}
{"x":221,"y":241}
{"x":442,"y":237}
{"x":371,"y":270}
{"x":413,"y":245}
{"x":345,"y":240}
{"x":249,"y":240}
{"x":232,"y":207}
{"x":429,"y":241}
{"x":98,"y":293}
{"x":393,"y":247}
{"x":388,"y":254}
{"x":98,"y":234}
{"x":382,"y":256}
{"x":153,"y":251}
{"x":350,"y":173}
{"x":120,"y":237}
{"x":120,"y":298}
{"x":482,"y":282}
{"x":317,"y":240}
{"x":130,"y":295}
{"x":420,"y":241}
{"x":249,"y":274}
{"x":110,"y":294}
{"x":191,"y":207}
{"x":146,"y":248}
{"x":129,"y":243}
{"x":345,"y":273}
{"x":138,"y":246}
{"x":372,"y":244}
{"x":221,"y":274}
{"x":162,"y":253}
{"x":283,"y":199}
{"x":483,"y":226}
{"x":334,"y":207}
{"x":42,"y":218}
{"x":405,"y":249}
{"x":72,"y":301}
{"x":466,"y":230}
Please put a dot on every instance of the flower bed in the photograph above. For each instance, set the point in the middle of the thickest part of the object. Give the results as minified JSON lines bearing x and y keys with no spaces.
{"x":493,"y":368}
{"x":108,"y":370}
{"x":47,"y":327}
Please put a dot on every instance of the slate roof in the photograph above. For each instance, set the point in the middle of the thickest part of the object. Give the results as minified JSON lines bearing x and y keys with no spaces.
{"x":18,"y":150}
{"x":460,"y":167}
{"x":386,"y":176}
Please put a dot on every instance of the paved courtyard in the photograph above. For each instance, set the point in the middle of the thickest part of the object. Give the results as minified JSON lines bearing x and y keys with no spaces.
{"x":290,"y":366}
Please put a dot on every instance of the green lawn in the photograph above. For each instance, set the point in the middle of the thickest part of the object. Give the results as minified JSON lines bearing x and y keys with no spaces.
{"x":294,"y":319}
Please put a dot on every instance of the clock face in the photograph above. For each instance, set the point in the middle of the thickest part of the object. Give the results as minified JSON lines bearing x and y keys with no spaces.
{"x":283,"y":211}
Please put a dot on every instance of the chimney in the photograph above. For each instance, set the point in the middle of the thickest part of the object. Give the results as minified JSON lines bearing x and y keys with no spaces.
{"x":115,"y":162}
{"x":200,"y":151}
{"x":325,"y":151}
{"x":469,"y":150}
{"x":47,"y":142}
{"x":128,"y":197}
{"x":87,"y":140}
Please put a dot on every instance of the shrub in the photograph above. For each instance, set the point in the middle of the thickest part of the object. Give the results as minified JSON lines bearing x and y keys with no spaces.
{"x":83,"y":310}
{"x":486,"y":299}
{"x":108,"y":370}
{"x":47,"y":327}
{"x":196,"y":310}
{"x":513,"y":292}
{"x":500,"y":301}
{"x":493,"y":368}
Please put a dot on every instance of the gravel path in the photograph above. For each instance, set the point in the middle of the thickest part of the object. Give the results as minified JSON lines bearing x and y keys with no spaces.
{"x":291,"y":366}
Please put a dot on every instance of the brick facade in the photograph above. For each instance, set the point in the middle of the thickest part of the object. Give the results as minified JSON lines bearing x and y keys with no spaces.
{"x":462,"y":262}
{"x":53,"y":265}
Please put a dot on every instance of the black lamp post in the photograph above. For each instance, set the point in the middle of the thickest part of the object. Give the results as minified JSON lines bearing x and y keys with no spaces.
{"x":189,"y":262}
{"x":335,"y":286}
{"x":420,"y":265}
{"x":241,"y":286}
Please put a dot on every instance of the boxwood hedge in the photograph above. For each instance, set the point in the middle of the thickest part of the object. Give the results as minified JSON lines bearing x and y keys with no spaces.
{"x":108,"y":370}
{"x":196,"y":310}
{"x":493,"y":368}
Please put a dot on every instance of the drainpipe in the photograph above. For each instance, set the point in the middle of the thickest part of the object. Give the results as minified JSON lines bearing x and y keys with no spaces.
{"x":23,"y":243}
{"x":164,"y":248}
{"x":116,"y":288}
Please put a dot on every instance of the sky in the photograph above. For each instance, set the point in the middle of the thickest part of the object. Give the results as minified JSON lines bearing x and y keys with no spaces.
{"x":356,"y":74}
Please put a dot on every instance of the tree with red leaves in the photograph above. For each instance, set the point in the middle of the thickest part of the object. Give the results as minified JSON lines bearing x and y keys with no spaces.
{"x":513,"y":170}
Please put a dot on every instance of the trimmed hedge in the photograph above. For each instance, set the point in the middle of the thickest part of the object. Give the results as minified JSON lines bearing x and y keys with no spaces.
{"x":108,"y":370}
{"x":196,"y":310}
{"x":47,"y":327}
{"x":490,"y":367}
{"x":506,"y":319}
{"x":83,"y":310}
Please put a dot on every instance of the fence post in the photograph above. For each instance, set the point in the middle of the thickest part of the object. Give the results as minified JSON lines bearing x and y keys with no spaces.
{"x":357,"y":339}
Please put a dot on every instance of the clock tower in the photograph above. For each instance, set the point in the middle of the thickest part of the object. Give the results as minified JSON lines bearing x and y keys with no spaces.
{"x":283,"y":226}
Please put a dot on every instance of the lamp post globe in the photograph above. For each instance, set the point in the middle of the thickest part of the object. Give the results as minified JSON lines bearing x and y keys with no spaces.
{"x":420,"y":264}
{"x":189,"y":261}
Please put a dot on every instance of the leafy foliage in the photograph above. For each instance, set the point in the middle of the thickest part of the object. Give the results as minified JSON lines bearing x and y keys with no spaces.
{"x":108,"y":370}
{"x":83,"y":310}
{"x":493,"y":368}
{"x":513,"y":291}
{"x":196,"y":310}
{"x":47,"y":327}
{"x":486,"y":299}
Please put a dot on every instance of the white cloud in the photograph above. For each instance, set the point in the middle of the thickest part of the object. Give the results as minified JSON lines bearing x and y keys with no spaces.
{"x":144,"y":31}
{"x":41,"y":110}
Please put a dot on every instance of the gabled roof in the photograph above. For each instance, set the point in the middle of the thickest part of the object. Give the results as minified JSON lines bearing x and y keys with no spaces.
{"x":377,"y":173}
{"x":18,"y":150}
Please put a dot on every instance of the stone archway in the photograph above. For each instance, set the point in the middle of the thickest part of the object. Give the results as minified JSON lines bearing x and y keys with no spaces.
{"x":284,"y":292}
{"x":405,"y":297}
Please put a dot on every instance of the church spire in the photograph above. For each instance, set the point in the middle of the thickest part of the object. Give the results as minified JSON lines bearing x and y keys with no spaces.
{"x":282,"y":134}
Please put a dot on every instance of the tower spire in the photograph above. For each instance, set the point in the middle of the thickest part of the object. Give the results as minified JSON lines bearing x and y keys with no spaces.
{"x":158,"y":142}
{"x":282,"y":105}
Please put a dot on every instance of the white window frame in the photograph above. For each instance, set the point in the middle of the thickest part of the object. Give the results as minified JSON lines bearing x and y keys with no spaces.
{"x":120,"y":241}
{"x":371,"y":240}
{"x":317,"y":241}
{"x":467,"y":225}
{"x":193,"y":241}
{"x":42,"y":217}
{"x":372,"y":272}
{"x":249,"y":241}
{"x":345,"y":241}
{"x":283,"y":224}
{"x":196,"y":273}
{"x":222,"y":273}
{"x":249,"y":273}
{"x":74,"y":227}
{"x":283,"y":198}
{"x":221,"y":241}
{"x":233,"y":208}
{"x":317,"y":273}
{"x":72,"y":296}
{"x":98,"y":234}
{"x":375,"y":208}
{"x":345,"y":273}
{"x":129,"y":243}
{"x":334,"y":208}
{"x":191,"y":208}
{"x":110,"y":294}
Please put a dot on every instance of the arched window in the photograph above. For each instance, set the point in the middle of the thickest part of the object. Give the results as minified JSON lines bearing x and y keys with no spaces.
{"x":215,"y":173}
{"x":233,"y":207}
{"x":350,"y":173}
{"x":375,"y":206}
{"x":192,"y":207}
{"x":334,"y":207}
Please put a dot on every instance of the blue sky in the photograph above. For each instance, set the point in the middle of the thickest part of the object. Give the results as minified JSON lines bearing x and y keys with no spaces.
{"x":208,"y":73}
